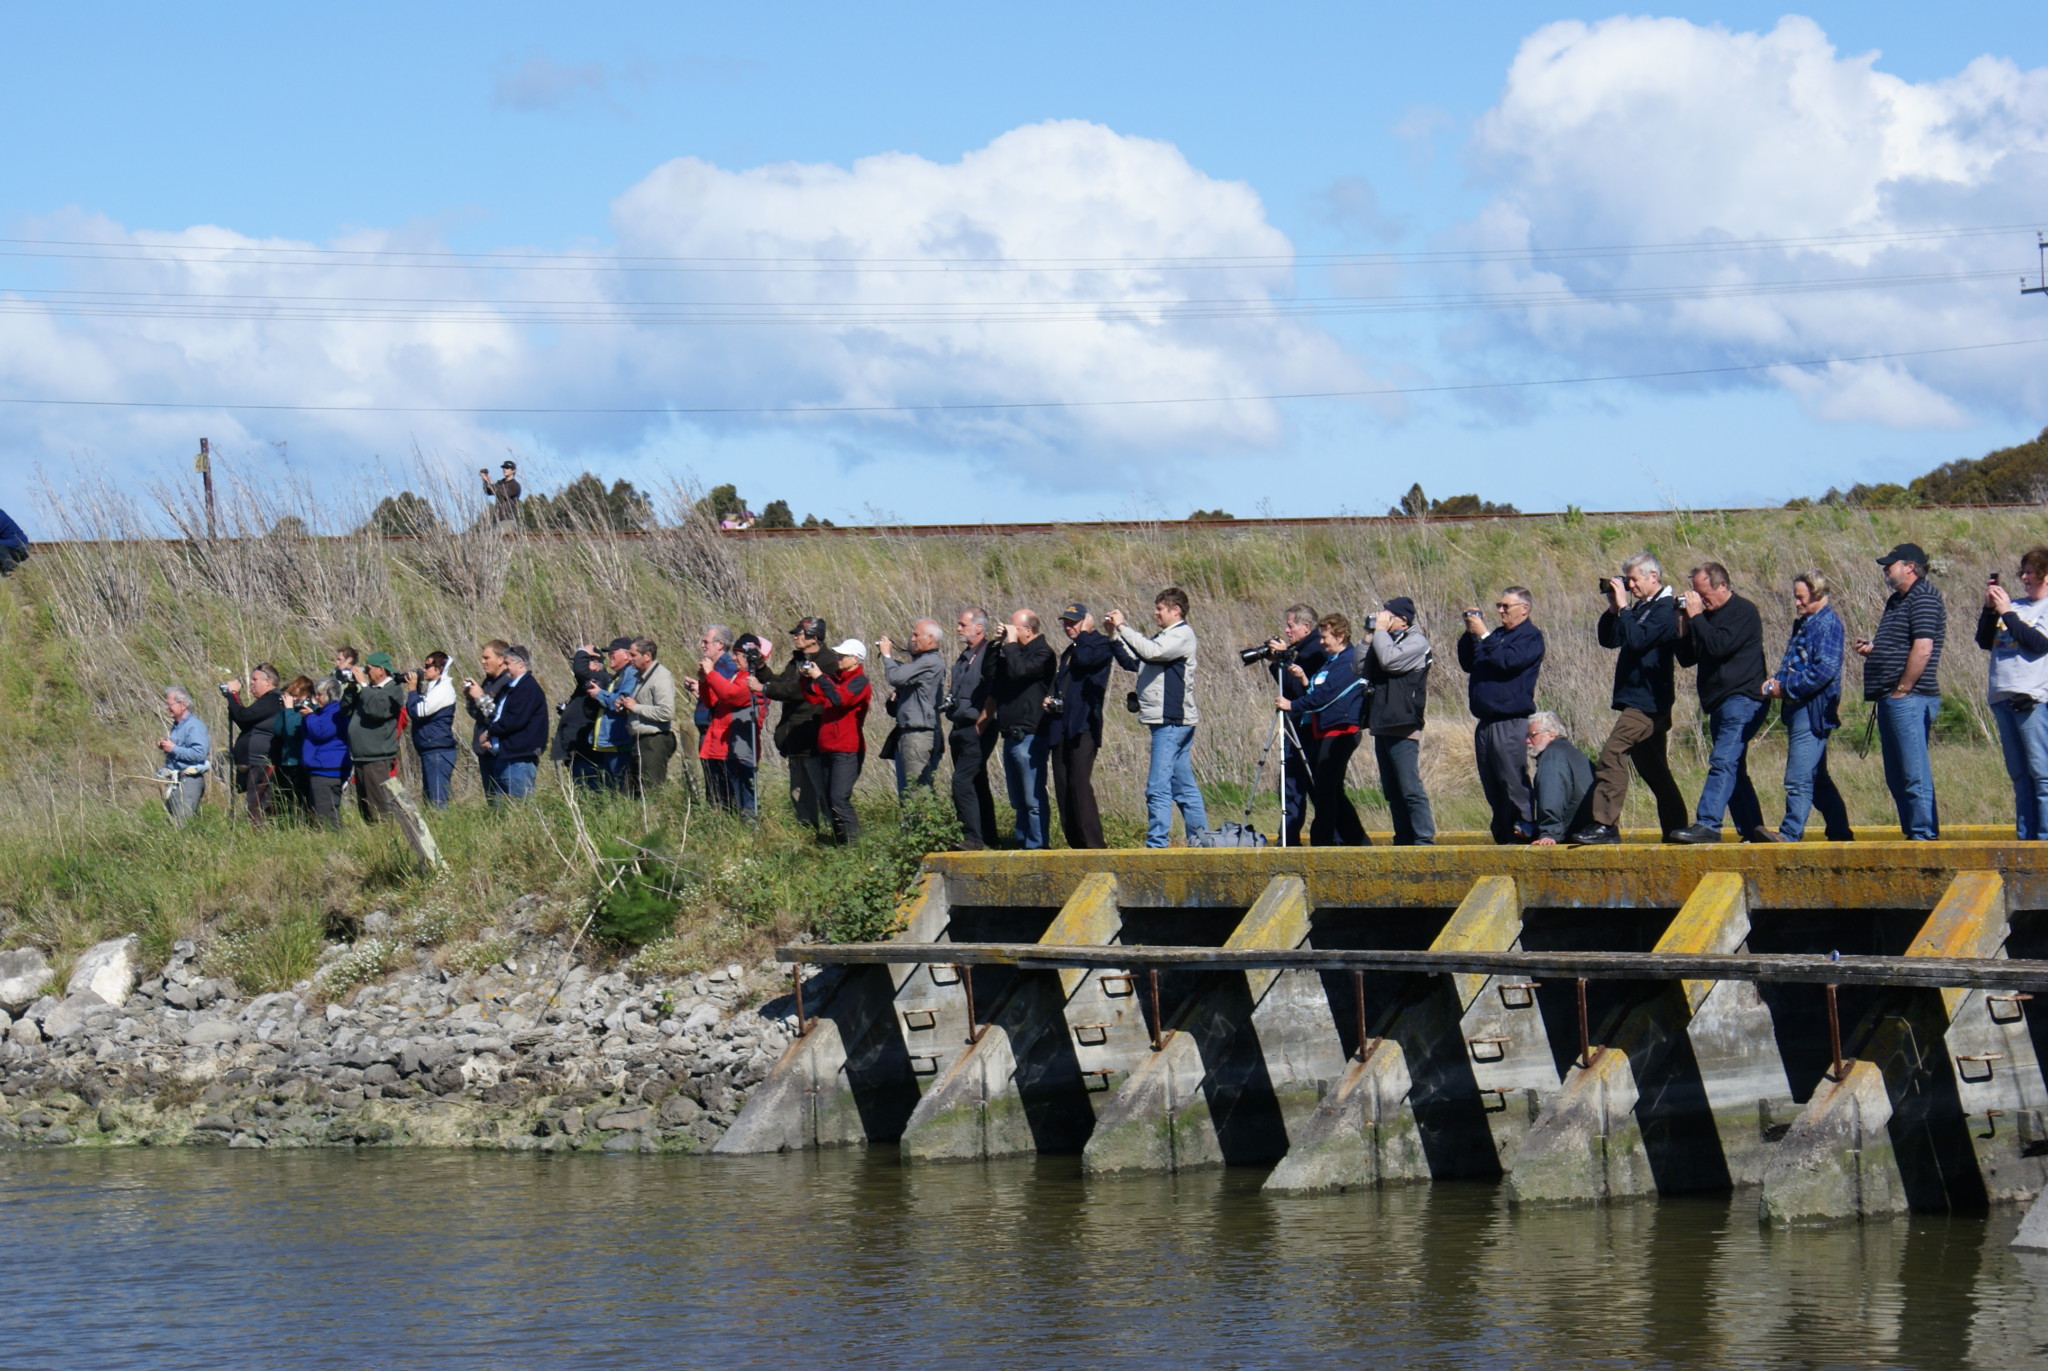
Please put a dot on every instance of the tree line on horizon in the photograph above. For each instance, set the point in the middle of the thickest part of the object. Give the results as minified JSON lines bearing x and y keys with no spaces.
{"x":2016,"y":475}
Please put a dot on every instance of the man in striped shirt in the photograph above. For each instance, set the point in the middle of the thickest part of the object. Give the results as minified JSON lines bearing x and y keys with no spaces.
{"x":1900,"y":662}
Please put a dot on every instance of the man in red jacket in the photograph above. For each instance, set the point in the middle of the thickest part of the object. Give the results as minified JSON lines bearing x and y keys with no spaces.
{"x":722,"y":691}
{"x":843,"y":695}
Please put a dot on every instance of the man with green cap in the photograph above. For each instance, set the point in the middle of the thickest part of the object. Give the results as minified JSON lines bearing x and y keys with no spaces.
{"x":372,"y":702}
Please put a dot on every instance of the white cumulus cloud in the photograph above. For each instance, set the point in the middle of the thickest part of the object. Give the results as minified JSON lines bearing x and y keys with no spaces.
{"x":1636,"y":132}
{"x":1033,"y":269}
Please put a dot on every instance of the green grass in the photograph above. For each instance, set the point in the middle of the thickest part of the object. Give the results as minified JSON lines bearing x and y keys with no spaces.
{"x":90,"y":633}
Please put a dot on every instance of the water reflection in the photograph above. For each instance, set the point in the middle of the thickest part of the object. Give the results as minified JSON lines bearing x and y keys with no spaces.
{"x":144,"y":1258}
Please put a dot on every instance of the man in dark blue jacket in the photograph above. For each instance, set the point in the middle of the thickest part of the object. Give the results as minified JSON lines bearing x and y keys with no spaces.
{"x":516,"y":732}
{"x":1074,"y":735}
{"x":13,"y":545}
{"x":1329,"y":712}
{"x":1503,"y":664}
{"x":1641,"y":626}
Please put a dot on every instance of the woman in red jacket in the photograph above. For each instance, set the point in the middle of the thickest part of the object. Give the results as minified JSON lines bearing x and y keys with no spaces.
{"x":843,"y":694}
{"x":722,"y":692}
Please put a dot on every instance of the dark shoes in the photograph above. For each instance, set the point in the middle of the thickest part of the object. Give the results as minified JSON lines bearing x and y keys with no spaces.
{"x":1594,"y":834}
{"x":1694,"y":833}
{"x":1761,"y":834}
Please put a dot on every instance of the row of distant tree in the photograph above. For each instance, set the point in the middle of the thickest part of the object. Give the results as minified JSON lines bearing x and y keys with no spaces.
{"x":585,"y":502}
{"x":2010,"y":476}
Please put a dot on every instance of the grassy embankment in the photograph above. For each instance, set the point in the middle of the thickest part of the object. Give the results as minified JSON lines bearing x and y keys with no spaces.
{"x":89,"y":633}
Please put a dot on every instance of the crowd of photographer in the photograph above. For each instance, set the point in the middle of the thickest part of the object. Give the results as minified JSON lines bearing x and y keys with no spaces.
{"x":1013,"y":691}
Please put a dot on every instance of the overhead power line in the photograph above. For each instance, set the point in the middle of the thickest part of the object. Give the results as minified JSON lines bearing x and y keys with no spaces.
{"x":262,"y":308}
{"x":258,"y":254}
{"x":1000,"y":405}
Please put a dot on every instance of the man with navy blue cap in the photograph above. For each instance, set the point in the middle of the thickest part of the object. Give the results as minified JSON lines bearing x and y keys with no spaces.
{"x":1075,"y":731}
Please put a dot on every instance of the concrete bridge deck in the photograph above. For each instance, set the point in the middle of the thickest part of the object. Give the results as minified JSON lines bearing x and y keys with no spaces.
{"x":1590,"y":1024}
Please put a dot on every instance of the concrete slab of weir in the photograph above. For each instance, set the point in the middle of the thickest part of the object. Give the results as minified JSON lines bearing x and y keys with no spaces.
{"x":1240,"y":1067}
{"x":1679,"y":1079}
{"x":1432,"y":1089}
{"x":1940,"y":1106}
{"x":853,"y":1078}
{"x":1049,"y":1050}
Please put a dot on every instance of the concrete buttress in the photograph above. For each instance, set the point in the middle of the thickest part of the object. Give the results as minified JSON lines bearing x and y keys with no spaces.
{"x":1242,"y":1066}
{"x":1473,"y":1049}
{"x":853,"y":1078}
{"x":1646,"y":1114}
{"x":1049,"y":1048}
{"x":1940,"y":1106}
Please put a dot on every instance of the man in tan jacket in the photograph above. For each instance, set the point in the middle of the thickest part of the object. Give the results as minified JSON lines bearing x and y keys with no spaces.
{"x":653,"y":708}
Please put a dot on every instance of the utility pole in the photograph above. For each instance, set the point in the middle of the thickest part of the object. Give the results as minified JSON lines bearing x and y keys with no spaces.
{"x":2040,"y":287}
{"x":203,"y":464}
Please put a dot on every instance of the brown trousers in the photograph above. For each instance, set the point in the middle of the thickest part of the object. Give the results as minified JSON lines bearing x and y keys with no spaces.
{"x":1639,"y":738}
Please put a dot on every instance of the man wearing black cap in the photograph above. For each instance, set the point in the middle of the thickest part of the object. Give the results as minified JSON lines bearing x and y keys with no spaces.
{"x":796,"y":729}
{"x":1075,"y":732}
{"x":372,"y":702}
{"x":504,"y":492}
{"x":1899,"y":666}
{"x":1396,"y":672}
{"x":611,"y":733}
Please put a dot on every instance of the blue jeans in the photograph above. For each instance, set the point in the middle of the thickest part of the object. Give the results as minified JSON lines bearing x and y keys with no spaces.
{"x":2023,"y":734}
{"x":1728,"y":789}
{"x":1808,"y":786}
{"x":729,"y":784}
{"x":598,"y":770}
{"x":509,"y":780}
{"x":1024,"y":774}
{"x":1903,"y":728}
{"x":1170,"y":780}
{"x":437,"y":768}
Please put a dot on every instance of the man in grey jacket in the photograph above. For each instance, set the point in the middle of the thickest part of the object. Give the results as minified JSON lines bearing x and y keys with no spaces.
{"x":1562,"y":796}
{"x":651,"y":710}
{"x":1396,"y":671}
{"x":915,"y":684}
{"x":1165,"y":664}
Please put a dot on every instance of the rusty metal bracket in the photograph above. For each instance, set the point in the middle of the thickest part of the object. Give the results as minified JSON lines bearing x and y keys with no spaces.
{"x":1983,"y":1059}
{"x":1358,"y":993}
{"x":924,"y":1063}
{"x":1499,"y":1046}
{"x":974,"y":1029}
{"x":1159,"y":1033}
{"x":796,"y":987}
{"x":1588,"y":1054}
{"x":1091,"y":1034}
{"x":1123,"y":979}
{"x":933,"y":968}
{"x":1524,"y":996}
{"x":1837,"y":1068}
{"x":1499,"y":1104}
{"x":918,"y":1020}
{"x":2017,"y":1001}
{"x":1096,"y":1079}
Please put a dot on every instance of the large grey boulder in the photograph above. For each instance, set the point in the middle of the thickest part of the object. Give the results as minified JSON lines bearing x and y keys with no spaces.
{"x":69,"y":1014}
{"x":23,"y":974}
{"x":106,"y":969}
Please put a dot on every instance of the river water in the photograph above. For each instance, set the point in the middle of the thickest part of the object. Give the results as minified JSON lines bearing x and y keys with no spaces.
{"x":139,"y":1258}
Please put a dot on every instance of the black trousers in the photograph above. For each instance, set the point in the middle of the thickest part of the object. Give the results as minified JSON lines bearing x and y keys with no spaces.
{"x":973,"y":801}
{"x":254,"y":781}
{"x":1336,"y":823}
{"x":1073,"y":788}
{"x":841,"y":770}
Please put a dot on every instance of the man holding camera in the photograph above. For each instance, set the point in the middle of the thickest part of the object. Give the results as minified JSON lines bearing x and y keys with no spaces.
{"x":372,"y":701}
{"x":1722,"y":634}
{"x":504,"y":492}
{"x":579,"y":743}
{"x":254,"y":722}
{"x":1396,"y":675}
{"x":1296,"y":645}
{"x":914,"y":687}
{"x":1640,"y":624}
{"x":723,"y":690}
{"x":1075,"y":733}
{"x":651,"y":710}
{"x":796,"y":728}
{"x":1503,"y":664}
{"x":479,"y":702}
{"x":515,"y":731}
{"x":1021,"y":669}
{"x":430,"y":704}
{"x":968,"y":731}
{"x":1165,"y":697}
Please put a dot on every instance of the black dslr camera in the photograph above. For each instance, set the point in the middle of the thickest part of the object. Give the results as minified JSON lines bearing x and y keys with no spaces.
{"x":756,"y":663}
{"x":1252,"y":656}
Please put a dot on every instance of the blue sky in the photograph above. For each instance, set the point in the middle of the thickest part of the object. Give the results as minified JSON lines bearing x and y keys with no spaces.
{"x":1175,"y":134}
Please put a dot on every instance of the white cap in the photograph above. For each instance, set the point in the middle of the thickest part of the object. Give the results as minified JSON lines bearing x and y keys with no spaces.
{"x":852,"y":647}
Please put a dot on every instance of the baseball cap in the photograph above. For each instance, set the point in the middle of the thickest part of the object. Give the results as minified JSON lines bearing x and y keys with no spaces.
{"x":1905,"y":552}
{"x":811,"y":626}
{"x":619,"y":645}
{"x":508,"y":466}
{"x":852,"y":647}
{"x":1402,"y":606}
{"x":382,"y":659}
{"x":1074,"y":613}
